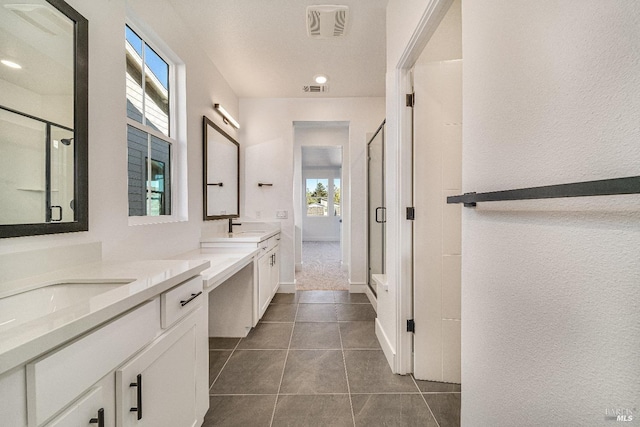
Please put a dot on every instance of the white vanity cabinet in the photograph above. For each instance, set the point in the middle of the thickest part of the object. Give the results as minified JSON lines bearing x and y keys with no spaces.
{"x":268,"y":272}
{"x":145,"y":367}
{"x":158,"y":387}
{"x":267,"y":263}
{"x":95,"y":408}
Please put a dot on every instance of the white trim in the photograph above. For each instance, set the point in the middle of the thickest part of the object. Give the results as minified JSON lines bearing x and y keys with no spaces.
{"x":387,"y":349}
{"x":286,"y":288}
{"x":372,"y":298}
{"x":358,"y":287}
{"x":402,"y":362}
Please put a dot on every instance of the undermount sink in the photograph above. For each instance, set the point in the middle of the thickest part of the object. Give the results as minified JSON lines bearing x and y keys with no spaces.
{"x":35,"y":303}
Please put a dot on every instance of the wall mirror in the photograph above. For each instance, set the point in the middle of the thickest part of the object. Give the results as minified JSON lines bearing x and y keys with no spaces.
{"x":221,"y":173}
{"x":43,"y":118}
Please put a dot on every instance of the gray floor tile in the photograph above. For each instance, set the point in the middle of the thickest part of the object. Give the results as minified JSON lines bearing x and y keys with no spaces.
{"x":397,"y":410}
{"x":437,"y":387}
{"x":316,"y":336}
{"x":280,"y":313}
{"x":312,"y":411}
{"x":223,"y":343}
{"x":355,"y":312}
{"x":268,"y":336}
{"x":316,"y":313}
{"x":240,"y":411}
{"x":251,"y":372}
{"x":359,"y":335}
{"x":217,"y":359}
{"x":313,"y":372}
{"x":346,"y":297}
{"x":369,"y":372}
{"x":445,"y":407}
{"x":311,"y":297}
{"x":281,"y":298}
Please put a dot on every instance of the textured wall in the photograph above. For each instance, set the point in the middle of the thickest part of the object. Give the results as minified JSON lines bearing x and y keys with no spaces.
{"x":550,"y":295}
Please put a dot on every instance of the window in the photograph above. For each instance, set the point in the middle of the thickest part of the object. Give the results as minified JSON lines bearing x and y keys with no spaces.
{"x":150,"y":138}
{"x":323,"y":196}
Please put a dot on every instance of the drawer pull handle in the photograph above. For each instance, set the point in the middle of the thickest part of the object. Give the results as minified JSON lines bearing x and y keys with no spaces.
{"x":100,"y":419}
{"x":138,"y":384}
{"x":193,"y":296}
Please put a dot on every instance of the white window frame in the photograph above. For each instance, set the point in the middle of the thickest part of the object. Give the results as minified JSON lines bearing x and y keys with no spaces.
{"x":177,"y":130}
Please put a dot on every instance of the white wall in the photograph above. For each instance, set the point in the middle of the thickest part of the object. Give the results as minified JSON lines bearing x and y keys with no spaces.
{"x":551,"y":331}
{"x":267,"y":150}
{"x":108,"y":205}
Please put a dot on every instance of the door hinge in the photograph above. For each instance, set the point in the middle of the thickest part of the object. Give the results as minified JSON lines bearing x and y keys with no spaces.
{"x":411,"y":213}
{"x":411,"y":326}
{"x":411,"y":99}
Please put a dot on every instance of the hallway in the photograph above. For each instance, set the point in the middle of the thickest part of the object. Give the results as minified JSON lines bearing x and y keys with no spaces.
{"x":314,"y":360}
{"x":321,"y":268}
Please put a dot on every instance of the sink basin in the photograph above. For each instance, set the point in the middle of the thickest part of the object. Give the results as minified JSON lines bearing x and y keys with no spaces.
{"x":29,"y":305}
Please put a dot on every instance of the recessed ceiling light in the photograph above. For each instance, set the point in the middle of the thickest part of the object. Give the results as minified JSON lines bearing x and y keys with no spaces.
{"x":10,"y":64}
{"x":321,"y":79}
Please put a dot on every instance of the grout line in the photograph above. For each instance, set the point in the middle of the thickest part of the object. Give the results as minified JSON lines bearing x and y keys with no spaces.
{"x":425,"y":400}
{"x":223,"y":366}
{"x":346,"y":373}
{"x":284,"y":367}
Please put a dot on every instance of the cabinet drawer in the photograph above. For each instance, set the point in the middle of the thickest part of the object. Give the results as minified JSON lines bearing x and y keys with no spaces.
{"x":60,"y":377}
{"x":177,"y":302}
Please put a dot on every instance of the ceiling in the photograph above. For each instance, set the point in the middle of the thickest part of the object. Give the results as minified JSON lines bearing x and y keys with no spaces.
{"x":262,"y":49}
{"x":321,"y":157}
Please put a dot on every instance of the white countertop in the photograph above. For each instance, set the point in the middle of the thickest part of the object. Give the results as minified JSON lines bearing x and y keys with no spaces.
{"x":224,"y":263}
{"x":247,"y":236}
{"x":147,"y":280}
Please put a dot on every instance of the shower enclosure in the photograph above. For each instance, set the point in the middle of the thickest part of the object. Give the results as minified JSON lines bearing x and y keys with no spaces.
{"x":376,"y":207}
{"x":36,"y":170}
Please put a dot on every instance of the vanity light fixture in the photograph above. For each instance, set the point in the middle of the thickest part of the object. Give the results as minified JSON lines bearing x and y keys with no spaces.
{"x":226,"y":116}
{"x":11,"y":64}
{"x":320,"y":79}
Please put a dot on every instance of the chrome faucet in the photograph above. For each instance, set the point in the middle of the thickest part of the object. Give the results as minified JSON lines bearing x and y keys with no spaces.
{"x":231,"y":224}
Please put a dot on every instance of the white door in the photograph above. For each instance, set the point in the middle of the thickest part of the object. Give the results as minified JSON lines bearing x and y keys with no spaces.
{"x":437,"y":152}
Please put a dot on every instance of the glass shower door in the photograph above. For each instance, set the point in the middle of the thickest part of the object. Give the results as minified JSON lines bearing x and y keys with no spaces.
{"x":376,"y":207}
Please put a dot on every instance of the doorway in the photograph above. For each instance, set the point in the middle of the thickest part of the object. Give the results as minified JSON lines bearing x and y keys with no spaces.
{"x":321,"y":193}
{"x":437,"y":173}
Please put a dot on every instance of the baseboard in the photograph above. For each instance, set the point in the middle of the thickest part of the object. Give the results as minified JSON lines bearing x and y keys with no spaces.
{"x":320,"y":239}
{"x":372,"y":298}
{"x":387,"y":348}
{"x":357,"y":288}
{"x":286,"y":288}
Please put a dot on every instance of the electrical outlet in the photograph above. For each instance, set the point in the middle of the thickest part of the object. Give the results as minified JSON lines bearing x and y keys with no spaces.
{"x":258,"y":214}
{"x":282,"y":214}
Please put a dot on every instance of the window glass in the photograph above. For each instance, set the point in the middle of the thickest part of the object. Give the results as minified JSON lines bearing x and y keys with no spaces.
{"x":317,"y":196}
{"x":336,"y":197}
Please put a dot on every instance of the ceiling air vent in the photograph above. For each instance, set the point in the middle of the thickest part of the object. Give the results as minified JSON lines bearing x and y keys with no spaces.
{"x":315,"y":88}
{"x":326,"y":21}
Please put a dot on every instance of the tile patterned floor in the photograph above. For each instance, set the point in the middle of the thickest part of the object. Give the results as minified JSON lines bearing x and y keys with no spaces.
{"x":314,"y":360}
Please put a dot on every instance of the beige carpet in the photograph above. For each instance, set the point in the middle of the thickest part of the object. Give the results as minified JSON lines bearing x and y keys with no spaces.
{"x":321,"y":268}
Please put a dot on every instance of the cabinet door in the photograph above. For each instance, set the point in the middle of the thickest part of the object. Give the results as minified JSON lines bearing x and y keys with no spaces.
{"x":95,"y":408}
{"x":275,"y":270}
{"x":264,"y":282}
{"x":158,"y":387}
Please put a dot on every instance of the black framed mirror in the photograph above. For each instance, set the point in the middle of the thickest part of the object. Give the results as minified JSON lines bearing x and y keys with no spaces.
{"x":221,"y":168}
{"x":43,"y":119}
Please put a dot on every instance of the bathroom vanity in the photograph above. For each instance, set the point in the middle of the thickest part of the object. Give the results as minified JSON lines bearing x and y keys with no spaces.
{"x":266,"y":243}
{"x":121,"y":344}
